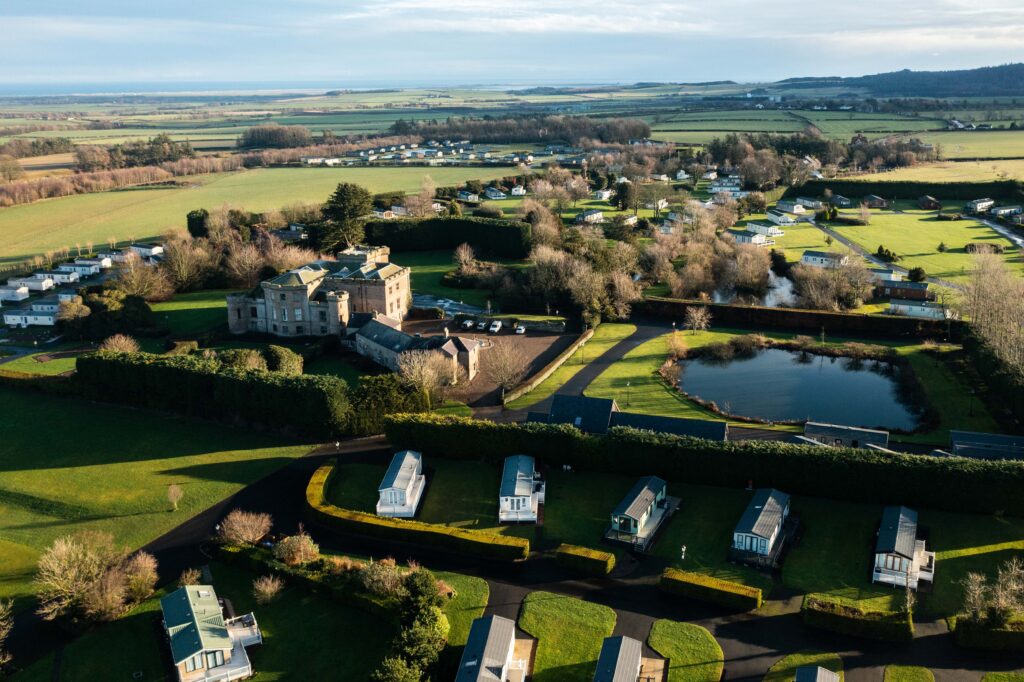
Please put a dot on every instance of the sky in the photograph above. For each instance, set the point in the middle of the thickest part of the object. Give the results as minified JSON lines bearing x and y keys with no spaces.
{"x":374,"y":43}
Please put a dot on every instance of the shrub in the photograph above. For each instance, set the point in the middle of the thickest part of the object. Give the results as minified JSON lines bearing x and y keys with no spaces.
{"x":979,"y":636}
{"x":190,"y":576}
{"x":266,"y":588}
{"x":460,"y":540}
{"x":585,"y":560}
{"x":182,"y":347}
{"x":396,"y":669}
{"x":243,"y":359}
{"x":121,"y":343}
{"x":297,"y":550}
{"x":819,"y":611}
{"x":383,"y":578}
{"x":707,"y":588}
{"x":242,"y":527}
{"x":488,"y":212}
{"x":140,"y":575}
{"x":281,"y":359}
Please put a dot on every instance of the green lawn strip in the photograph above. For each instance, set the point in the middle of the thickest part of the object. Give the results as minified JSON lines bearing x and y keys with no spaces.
{"x":908,"y":673}
{"x":693,"y":654}
{"x":113,"y":465}
{"x":569,"y":634}
{"x":1017,"y":676}
{"x":335,"y":365}
{"x":354,"y":486}
{"x":194,"y":312}
{"x":785,"y":669}
{"x":428,"y":267}
{"x":605,"y":336}
{"x":471,"y":594}
{"x":454,"y":408}
{"x":36,"y":363}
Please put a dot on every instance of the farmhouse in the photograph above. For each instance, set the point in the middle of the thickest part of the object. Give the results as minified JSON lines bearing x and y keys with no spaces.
{"x":758,"y":537}
{"x":489,"y":653}
{"x":402,"y":486}
{"x":875,"y":201}
{"x":592,"y":216}
{"x":318,"y":299}
{"x":494,"y":193}
{"x":641,"y":512}
{"x":823,"y":259}
{"x":979,"y":205}
{"x":839,"y":201}
{"x":925,"y":310}
{"x":383,"y":343}
{"x":787,"y":206}
{"x":767,"y":229}
{"x":986,"y":445}
{"x":837,"y":435}
{"x":779,"y":217}
{"x":13,"y":293}
{"x":522,"y":491}
{"x":815,"y":673}
{"x":900,"y":558}
{"x":620,"y":660}
{"x":597,"y":415}
{"x":602,"y":194}
{"x":929,"y":203}
{"x":31,"y":283}
{"x":755,"y":238}
{"x":205,"y":646}
{"x":910,"y":291}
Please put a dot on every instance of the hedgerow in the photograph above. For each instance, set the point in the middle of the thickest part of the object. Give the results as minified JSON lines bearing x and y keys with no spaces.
{"x":710,"y":589}
{"x":818,"y":611}
{"x":585,"y":560}
{"x":495,"y":236}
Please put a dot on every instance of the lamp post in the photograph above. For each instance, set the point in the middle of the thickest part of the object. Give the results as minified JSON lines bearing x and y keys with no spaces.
{"x":627,"y":394}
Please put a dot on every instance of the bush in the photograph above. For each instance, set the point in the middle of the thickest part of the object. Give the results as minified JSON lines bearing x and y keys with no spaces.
{"x":266,"y":588}
{"x":121,"y":343}
{"x":190,"y":576}
{"x":297,"y":550}
{"x":377,"y":396}
{"x":707,"y":588}
{"x":242,"y":527}
{"x":243,"y":359}
{"x":488,"y":212}
{"x":585,"y":560}
{"x":974,"y":636}
{"x":497,"y":236}
{"x":947,"y":483}
{"x":821,"y":612}
{"x":1009,"y":190}
{"x":464,"y":542}
{"x":182,"y":347}
{"x":281,"y":359}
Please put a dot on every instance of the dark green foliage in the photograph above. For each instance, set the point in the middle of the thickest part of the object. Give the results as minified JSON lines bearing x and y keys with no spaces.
{"x":825,"y":614}
{"x":281,"y":359}
{"x":275,"y":136}
{"x":987,"y":247}
{"x":707,"y":588}
{"x":917,"y":274}
{"x":312,"y":405}
{"x":950,"y":483}
{"x":496,"y":237}
{"x":486,"y":211}
{"x":344,"y":214}
{"x":242,"y":359}
{"x":885,"y":254}
{"x":975,"y":636}
{"x":585,"y":560}
{"x":1010,"y":190}
{"x":395,"y":669}
{"x":110,"y":312}
{"x":377,"y":396}
{"x":195,"y":221}
{"x":421,"y":593}
{"x":421,"y":640}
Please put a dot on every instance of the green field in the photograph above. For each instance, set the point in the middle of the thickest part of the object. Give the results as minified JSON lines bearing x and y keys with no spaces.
{"x":907,"y":673}
{"x":996,"y":144}
{"x":113,"y":465}
{"x":569,"y":633}
{"x":428,"y":267}
{"x":796,"y":238}
{"x":952,"y":171}
{"x":915,"y":236}
{"x":147,"y":212}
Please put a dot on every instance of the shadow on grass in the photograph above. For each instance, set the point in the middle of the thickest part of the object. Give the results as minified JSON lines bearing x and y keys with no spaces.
{"x":240,"y":472}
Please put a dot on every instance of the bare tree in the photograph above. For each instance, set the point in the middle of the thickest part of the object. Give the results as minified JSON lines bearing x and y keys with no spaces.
{"x":266,"y":588}
{"x":505,"y":364}
{"x":242,"y":527}
{"x":6,"y":625}
{"x":623,"y":292}
{"x":421,"y":205}
{"x":465,"y":259}
{"x":121,"y":343}
{"x":279,"y":256}
{"x":428,"y":372}
{"x":135,"y":278}
{"x":174,"y":495}
{"x":865,"y":214}
{"x":245,"y":263}
{"x":140,"y":572}
{"x":993,"y":301}
{"x":698,"y":318}
{"x":190,"y":576}
{"x":578,"y":188}
{"x":106,"y":597}
{"x":68,"y":569}
{"x":187,"y":263}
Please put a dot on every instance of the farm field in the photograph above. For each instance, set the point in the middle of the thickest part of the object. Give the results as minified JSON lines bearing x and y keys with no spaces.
{"x":915,"y":235}
{"x":143,"y":213}
{"x":996,"y":144}
{"x":951,"y":171}
{"x":114,"y":465}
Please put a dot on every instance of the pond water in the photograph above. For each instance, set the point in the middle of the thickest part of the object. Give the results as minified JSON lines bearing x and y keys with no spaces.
{"x":778,"y":385}
{"x":780,"y":294}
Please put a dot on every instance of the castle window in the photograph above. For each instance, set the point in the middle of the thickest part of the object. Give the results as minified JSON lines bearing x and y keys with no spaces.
{"x":323,"y":315}
{"x":252,"y":312}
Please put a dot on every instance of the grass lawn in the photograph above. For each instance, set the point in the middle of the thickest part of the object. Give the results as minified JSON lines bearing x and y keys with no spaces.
{"x":797,"y":238}
{"x":354,"y":486}
{"x":569,"y":632}
{"x":785,"y":670}
{"x":454,"y":408}
{"x":358,"y":641}
{"x":952,"y":171}
{"x":578,"y":506}
{"x":142,"y":213}
{"x":915,"y":235}
{"x":605,"y":336}
{"x":908,"y":673}
{"x":428,"y":267}
{"x":694,"y":655}
{"x":113,"y":465}
{"x":37,"y":363}
{"x":194,"y":312}
{"x":336,"y":365}
{"x":1017,"y":676}
{"x":471,"y":594}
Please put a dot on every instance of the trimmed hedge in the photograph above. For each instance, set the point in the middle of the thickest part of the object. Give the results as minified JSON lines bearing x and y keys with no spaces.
{"x":456,"y":540}
{"x":971,"y":636}
{"x":311,"y":405}
{"x":585,"y":560}
{"x":710,"y":589}
{"x":822,"y":613}
{"x":495,"y":236}
{"x":854,"y":189}
{"x":948,"y":483}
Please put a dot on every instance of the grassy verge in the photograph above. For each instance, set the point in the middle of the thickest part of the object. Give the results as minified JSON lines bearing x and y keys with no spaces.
{"x":694,"y":655}
{"x":908,"y":673}
{"x":194,"y":312}
{"x":471,"y":594}
{"x":569,"y":632}
{"x":605,"y":336}
{"x":785,"y":670}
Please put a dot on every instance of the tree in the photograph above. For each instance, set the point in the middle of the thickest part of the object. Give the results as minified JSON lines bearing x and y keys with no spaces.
{"x":917,"y":274}
{"x":174,"y":495}
{"x":242,"y":527}
{"x":422,"y":205}
{"x":865,"y":214}
{"x":68,"y":569}
{"x":578,"y":188}
{"x":10,"y":169}
{"x":422,"y":640}
{"x":187,"y":262}
{"x":135,"y":278}
{"x":627,"y":197}
{"x":195,"y":221}
{"x":344,"y":215}
{"x":428,"y":372}
{"x":941,"y":248}
{"x":244,"y":263}
{"x":120,"y":343}
{"x":297,"y":550}
{"x":464,"y":258}
{"x":6,"y":625}
{"x":505,"y":364}
{"x":141,"y":575}
{"x":698,"y":318}
{"x":397,"y":669}
{"x":190,"y":576}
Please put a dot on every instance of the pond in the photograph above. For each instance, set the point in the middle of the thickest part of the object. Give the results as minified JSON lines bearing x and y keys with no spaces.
{"x":780,"y":294}
{"x":783,"y":385}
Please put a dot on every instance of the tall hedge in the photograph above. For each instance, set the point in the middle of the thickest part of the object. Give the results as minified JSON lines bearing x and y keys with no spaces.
{"x":949,"y":483}
{"x":1009,"y":190}
{"x":311,"y":405}
{"x":827,"y":614}
{"x":973,"y":636}
{"x":707,"y":588}
{"x":493,"y":236}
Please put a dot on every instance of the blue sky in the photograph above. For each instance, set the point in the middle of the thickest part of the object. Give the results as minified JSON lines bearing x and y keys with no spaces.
{"x":353,"y":42}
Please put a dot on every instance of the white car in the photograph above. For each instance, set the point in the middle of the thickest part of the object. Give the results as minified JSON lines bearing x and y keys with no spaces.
{"x":467,"y":324}
{"x":481,"y":325}
{"x":520,"y":329}
{"x":495,"y":327}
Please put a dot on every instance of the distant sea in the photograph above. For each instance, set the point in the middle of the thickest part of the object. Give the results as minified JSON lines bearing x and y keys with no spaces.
{"x":246,"y":88}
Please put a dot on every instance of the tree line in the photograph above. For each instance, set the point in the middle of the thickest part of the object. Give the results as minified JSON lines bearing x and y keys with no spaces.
{"x":532,"y":128}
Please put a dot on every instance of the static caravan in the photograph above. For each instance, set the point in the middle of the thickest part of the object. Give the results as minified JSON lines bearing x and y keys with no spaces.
{"x":33,"y":283}
{"x":900,"y":558}
{"x":760,"y":527}
{"x":489,"y":652}
{"x":635,"y":509}
{"x":522,"y":491}
{"x":620,"y":660}
{"x":402,"y":486}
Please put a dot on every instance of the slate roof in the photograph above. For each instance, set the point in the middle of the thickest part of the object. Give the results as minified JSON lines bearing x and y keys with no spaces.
{"x":764,"y":513}
{"x":517,"y":476}
{"x":814,"y":673}
{"x":640,"y":497}
{"x":619,"y":660}
{"x":590,"y":415}
{"x":401,"y":470}
{"x":388,"y":337}
{"x":369,"y":271}
{"x":697,"y":428}
{"x":299,"y":276}
{"x":898,"y":532}
{"x":194,"y":622}
{"x":488,"y":644}
{"x":986,"y":445}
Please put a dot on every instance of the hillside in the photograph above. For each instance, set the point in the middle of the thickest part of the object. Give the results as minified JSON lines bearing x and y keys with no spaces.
{"x":1006,"y":80}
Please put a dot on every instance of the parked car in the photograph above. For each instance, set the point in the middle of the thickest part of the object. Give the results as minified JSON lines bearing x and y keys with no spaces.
{"x":468,"y":324}
{"x":520,"y":328}
{"x":481,"y":325}
{"x":495,"y":327}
